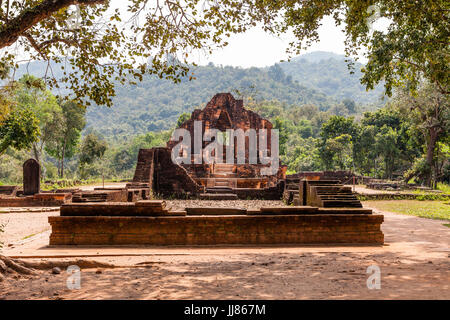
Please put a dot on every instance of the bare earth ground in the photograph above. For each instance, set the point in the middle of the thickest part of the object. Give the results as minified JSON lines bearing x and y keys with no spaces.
{"x":414,"y":264}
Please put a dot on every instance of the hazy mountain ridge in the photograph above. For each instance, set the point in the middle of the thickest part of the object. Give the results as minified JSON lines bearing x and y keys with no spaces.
{"x":155,"y":104}
{"x":329,"y":73}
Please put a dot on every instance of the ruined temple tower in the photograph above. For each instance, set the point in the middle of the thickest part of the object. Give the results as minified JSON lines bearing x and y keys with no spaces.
{"x":244,"y":179}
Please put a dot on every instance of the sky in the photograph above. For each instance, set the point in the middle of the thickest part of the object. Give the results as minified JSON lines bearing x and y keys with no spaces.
{"x":256,"y":48}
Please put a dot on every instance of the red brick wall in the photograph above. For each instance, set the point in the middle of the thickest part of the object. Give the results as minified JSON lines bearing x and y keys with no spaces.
{"x":217,"y":230}
{"x":38,"y":200}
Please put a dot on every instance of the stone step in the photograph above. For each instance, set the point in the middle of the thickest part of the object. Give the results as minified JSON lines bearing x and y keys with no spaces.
{"x":223,"y":165}
{"x":219,"y":190}
{"x":227,"y":173}
{"x":223,"y":175}
{"x":221,"y":184}
{"x":222,"y":179}
{"x":223,"y":168}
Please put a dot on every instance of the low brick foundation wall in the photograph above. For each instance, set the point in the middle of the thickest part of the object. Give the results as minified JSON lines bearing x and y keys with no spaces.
{"x":271,"y":193}
{"x":37,"y":200}
{"x":218,"y":230}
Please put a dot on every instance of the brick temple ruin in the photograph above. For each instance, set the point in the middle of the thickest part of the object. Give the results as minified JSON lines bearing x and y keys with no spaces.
{"x":324,"y":211}
{"x":217,"y":180}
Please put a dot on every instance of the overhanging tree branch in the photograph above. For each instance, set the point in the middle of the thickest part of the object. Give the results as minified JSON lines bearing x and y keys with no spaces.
{"x":10,"y":32}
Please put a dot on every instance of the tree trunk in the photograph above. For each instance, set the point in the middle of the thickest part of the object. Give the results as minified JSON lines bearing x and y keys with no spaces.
{"x":433,"y":135}
{"x":62,"y":157}
{"x":36,"y":153}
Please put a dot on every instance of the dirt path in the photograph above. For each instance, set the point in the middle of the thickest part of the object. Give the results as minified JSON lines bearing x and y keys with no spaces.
{"x":414,"y":264}
{"x":19,"y":226}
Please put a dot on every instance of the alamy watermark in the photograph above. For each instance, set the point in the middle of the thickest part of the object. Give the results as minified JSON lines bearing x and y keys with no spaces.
{"x":262,"y":147}
{"x":73,"y":281}
{"x":374,"y":280}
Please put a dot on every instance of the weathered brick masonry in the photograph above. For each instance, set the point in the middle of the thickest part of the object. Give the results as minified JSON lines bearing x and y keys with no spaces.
{"x":37,"y":200}
{"x":164,"y":177}
{"x":217,"y":230}
{"x":156,"y":168}
{"x":150,"y":223}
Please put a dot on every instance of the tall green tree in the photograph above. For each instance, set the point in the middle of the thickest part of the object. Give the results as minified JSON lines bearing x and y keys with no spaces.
{"x":281,"y":126}
{"x":429,"y":112}
{"x":32,"y":94}
{"x":92,"y":148}
{"x":19,"y":130}
{"x":69,"y":137}
{"x":339,"y":149}
{"x":414,"y":45}
{"x":336,"y":135}
{"x":387,"y":148}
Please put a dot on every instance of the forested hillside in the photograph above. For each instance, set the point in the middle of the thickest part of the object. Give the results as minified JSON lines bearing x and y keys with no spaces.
{"x":155,"y":104}
{"x":319,"y":78}
{"x":329,"y":73}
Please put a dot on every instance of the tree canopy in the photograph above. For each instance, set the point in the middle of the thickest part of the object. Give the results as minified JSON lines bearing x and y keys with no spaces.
{"x":102,"y":45}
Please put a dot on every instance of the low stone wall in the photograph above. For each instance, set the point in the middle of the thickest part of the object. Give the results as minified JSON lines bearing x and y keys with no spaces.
{"x":345,"y":177}
{"x":140,"y":208}
{"x":218,"y":230}
{"x":8,"y":190}
{"x":271,"y":193}
{"x":37,"y":200}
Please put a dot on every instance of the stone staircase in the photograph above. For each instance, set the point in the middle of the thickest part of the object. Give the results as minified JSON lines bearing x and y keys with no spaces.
{"x":90,"y":197}
{"x":219,"y":193}
{"x":222,"y":175}
{"x":222,"y":189}
{"x":223,"y":170}
{"x":330,"y":194}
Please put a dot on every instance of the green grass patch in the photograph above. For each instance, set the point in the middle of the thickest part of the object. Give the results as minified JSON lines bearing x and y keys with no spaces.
{"x":445,"y":188}
{"x":418,"y":208}
{"x":29,"y":236}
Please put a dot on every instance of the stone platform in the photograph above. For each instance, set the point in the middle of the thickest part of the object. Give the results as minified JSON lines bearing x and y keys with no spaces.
{"x":141,"y":224}
{"x":37,"y":200}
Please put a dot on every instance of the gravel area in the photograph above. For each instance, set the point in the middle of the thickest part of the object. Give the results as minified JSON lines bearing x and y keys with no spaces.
{"x":245,"y":204}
